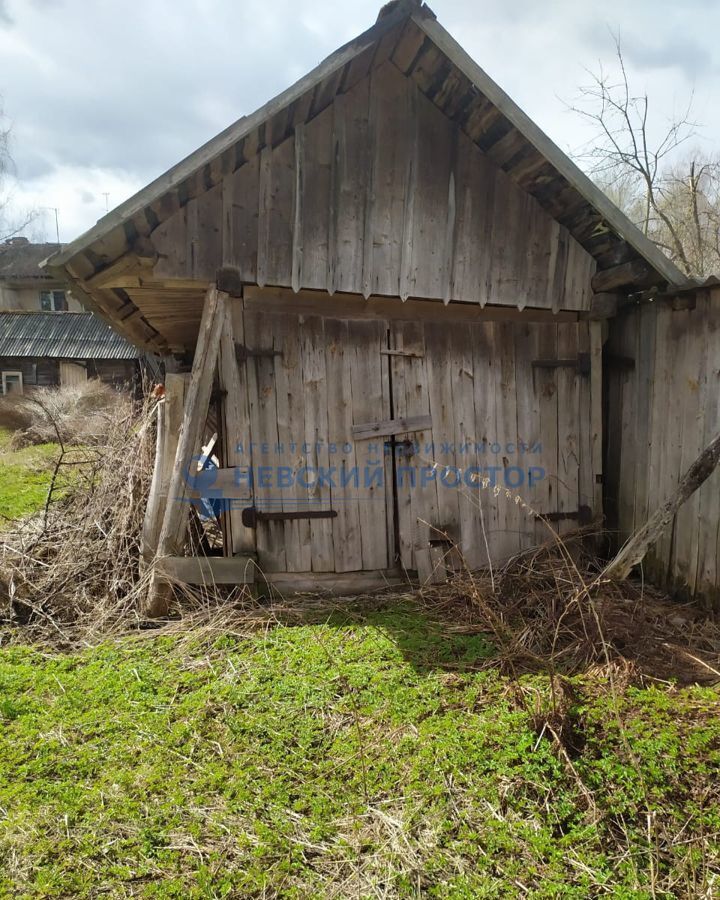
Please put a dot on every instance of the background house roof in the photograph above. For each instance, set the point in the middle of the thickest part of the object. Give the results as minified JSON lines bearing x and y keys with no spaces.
{"x":61,"y":336}
{"x":20,"y":260}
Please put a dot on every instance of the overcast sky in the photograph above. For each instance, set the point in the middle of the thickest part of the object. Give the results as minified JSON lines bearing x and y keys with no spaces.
{"x":104,"y":95}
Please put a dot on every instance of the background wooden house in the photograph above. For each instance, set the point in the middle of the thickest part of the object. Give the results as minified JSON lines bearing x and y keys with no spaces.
{"x":47,"y":339}
{"x":411,"y":277}
{"x":25,"y":286}
{"x":63,"y":349}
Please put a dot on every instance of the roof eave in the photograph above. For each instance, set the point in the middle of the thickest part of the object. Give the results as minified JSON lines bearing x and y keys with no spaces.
{"x":548,"y":149}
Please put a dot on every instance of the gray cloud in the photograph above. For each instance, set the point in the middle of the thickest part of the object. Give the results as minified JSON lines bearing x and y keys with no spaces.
{"x":682,"y":53}
{"x":91,"y":89}
{"x":145,"y":106}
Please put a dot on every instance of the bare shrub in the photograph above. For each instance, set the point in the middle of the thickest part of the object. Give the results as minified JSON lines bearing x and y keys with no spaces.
{"x":77,"y":564}
{"x":77,"y":414}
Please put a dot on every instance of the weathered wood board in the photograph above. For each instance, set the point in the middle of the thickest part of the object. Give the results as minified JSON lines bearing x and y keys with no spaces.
{"x":380,"y":193}
{"x":663,"y":400}
{"x":414,"y":435}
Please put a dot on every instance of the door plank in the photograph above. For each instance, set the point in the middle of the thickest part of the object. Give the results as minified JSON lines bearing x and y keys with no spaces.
{"x":367,"y":339}
{"x":441,"y":369}
{"x":260,"y":374}
{"x":485,"y":395}
{"x":312,"y":343}
{"x":290,"y":400}
{"x":346,"y":527}
{"x":236,"y":422}
{"x":568,"y":465}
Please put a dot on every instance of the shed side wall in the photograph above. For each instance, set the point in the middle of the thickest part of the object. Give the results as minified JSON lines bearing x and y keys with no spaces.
{"x":660,"y":414}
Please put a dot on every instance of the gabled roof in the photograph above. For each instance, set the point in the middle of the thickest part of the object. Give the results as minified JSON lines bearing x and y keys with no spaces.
{"x":62,"y":335}
{"x":20,"y":260}
{"x":409,"y":36}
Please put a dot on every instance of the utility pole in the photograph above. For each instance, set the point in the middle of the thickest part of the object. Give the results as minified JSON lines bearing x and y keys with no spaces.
{"x":54,"y":209}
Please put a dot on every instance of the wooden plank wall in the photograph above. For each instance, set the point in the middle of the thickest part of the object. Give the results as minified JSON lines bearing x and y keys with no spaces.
{"x":315,"y":378}
{"x":660,"y":414}
{"x":312,"y":376}
{"x":378,"y":194}
{"x":36,"y":372}
{"x":494,"y":415}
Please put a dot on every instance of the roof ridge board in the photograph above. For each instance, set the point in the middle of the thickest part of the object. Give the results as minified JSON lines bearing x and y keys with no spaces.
{"x":227,"y":138}
{"x":575,"y":177}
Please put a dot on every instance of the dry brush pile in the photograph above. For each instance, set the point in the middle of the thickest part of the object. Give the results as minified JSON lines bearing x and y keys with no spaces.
{"x":76,"y":415}
{"x":75,"y":565}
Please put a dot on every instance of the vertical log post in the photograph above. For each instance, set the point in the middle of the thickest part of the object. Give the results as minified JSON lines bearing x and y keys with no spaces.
{"x":154,"y":510}
{"x":169,"y":422}
{"x":596,"y":422}
{"x":197,"y":401}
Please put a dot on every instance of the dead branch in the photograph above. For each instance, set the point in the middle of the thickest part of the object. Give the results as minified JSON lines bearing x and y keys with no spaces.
{"x":637,"y":546}
{"x":675,"y":202}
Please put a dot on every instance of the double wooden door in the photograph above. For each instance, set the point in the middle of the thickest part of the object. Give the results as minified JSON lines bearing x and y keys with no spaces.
{"x":500,"y":429}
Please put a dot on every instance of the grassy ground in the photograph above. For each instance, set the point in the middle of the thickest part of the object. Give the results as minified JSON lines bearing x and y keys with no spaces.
{"x":357,"y":758}
{"x":366,"y":755}
{"x":24,"y":477}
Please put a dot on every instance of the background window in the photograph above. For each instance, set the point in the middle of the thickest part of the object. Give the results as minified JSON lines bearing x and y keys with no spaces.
{"x":12,"y":383}
{"x":53,"y":301}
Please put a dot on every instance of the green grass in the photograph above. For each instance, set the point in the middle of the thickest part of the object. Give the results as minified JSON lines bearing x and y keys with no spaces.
{"x":24,"y":478}
{"x":357,"y":758}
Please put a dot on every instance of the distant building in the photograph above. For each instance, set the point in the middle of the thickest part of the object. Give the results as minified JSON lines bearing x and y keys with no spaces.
{"x":45,"y":349}
{"x":46,"y":337}
{"x":25,"y":286}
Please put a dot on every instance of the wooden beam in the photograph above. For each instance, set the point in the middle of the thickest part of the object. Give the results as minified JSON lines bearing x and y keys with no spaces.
{"x":347,"y":583}
{"x":208,"y":570}
{"x":391,"y":426}
{"x":636,"y":273}
{"x":127,"y":266}
{"x":230,"y":281}
{"x":354,"y":306}
{"x":635,"y":549}
{"x":139,"y":332}
{"x":169,"y":423}
{"x":213,"y":570}
{"x":197,"y":400}
{"x":603,"y":306}
{"x":154,"y":511}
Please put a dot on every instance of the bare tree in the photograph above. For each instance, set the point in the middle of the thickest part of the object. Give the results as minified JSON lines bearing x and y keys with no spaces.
{"x":674,"y":201}
{"x":12,"y":221}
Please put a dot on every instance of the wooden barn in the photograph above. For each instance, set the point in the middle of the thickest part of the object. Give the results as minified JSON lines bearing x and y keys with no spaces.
{"x":390,"y":291}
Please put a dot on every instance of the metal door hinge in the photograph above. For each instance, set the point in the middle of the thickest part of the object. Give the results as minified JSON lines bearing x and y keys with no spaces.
{"x":583,"y":515}
{"x":251,"y":516}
